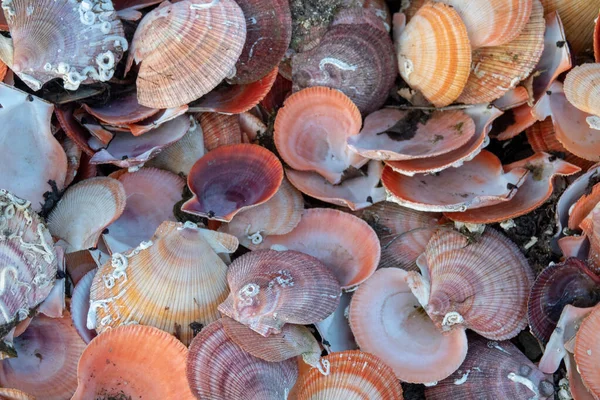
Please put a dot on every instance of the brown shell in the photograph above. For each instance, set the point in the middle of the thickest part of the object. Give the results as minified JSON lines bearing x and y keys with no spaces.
{"x":578,"y":18}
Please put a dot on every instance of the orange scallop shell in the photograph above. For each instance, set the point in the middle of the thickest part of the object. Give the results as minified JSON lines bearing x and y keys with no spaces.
{"x":586,"y":351}
{"x":582,"y":89}
{"x":219,"y":130}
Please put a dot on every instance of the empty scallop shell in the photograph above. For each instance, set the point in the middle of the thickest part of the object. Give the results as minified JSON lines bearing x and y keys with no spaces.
{"x":586,"y":351}
{"x":45,"y":160}
{"x":311,"y":131}
{"x":434,"y":53}
{"x":278,"y":216}
{"x":122,"y":110}
{"x":358,"y":60}
{"x":582,"y":89}
{"x":110,"y":365}
{"x":205,"y":38}
{"x":478,"y":183}
{"x":352,"y":375}
{"x":583,"y":207}
{"x":220,"y":130}
{"x":482,"y":285}
{"x":390,"y":134}
{"x":513,"y":98}
{"x":28,"y":259}
{"x":271,"y":288}
{"x":80,"y":42}
{"x":356,"y":249}
{"x":496,"y":70}
{"x":80,"y":306}
{"x":513,"y":122}
{"x":154,"y":121}
{"x":335,"y":331}
{"x":85,"y":210}
{"x":219,"y":369}
{"x":574,"y":246}
{"x":232,"y":178}
{"x":388,"y":321}
{"x":169,"y":282}
{"x":493,"y":370}
{"x":535,"y":191}
{"x":72,"y":128}
{"x":578,"y":18}
{"x":3,"y":70}
{"x":591,"y":227}
{"x":46,"y":366}
{"x":78,"y":264}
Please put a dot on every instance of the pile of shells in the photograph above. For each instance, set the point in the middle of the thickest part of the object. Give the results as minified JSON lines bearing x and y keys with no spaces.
{"x":252,"y":199}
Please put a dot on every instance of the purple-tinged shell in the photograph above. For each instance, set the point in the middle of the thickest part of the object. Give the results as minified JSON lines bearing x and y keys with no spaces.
{"x":80,"y":305}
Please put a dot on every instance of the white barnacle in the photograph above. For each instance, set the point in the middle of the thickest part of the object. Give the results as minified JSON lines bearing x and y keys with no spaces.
{"x":452,"y":318}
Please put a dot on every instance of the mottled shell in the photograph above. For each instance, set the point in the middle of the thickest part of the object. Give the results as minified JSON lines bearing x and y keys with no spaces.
{"x":218,"y":369}
{"x":578,"y":18}
{"x":434,"y":53}
{"x":78,"y":41}
{"x":185,"y":50}
{"x":270,"y":288}
{"x":133,"y":361}
{"x":586,"y":351}
{"x":582,"y":88}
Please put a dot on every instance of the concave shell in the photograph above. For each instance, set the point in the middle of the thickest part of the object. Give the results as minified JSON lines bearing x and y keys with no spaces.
{"x":270,"y":288}
{"x":335,"y":331}
{"x":578,"y":18}
{"x":81,"y":42}
{"x":586,"y":351}
{"x":205,"y":40}
{"x":110,"y":365}
{"x":582,"y":89}
{"x":493,"y":370}
{"x":343,"y":242}
{"x":85,"y":210}
{"x":72,"y":128}
{"x":513,"y":98}
{"x":154,"y":121}
{"x":311,"y":131}
{"x":169,"y":282}
{"x":80,"y":305}
{"x":268,"y":35}
{"x":46,"y":366}
{"x":388,"y":321}
{"x":280,"y":90}
{"x":232,"y":178}
{"x":32,"y":157}
{"x":434,"y":53}
{"x":127,"y":150}
{"x":292,"y":341}
{"x":482,"y":285}
{"x":278,"y":216}
{"x":358,"y":60}
{"x":493,"y":22}
{"x":355,"y":193}
{"x":535,"y":191}
{"x":353,"y":375}
{"x":151,"y":195}
{"x":122,"y":110}
{"x":79,"y":263}
{"x":483,"y":115}
{"x":390,"y":134}
{"x":403,"y":233}
{"x":574,"y":246}
{"x":584,"y":206}
{"x":570,"y":282}
{"x":218,"y":369}
{"x":28,"y":259}
{"x":496,"y":70}
{"x":478,"y":183}
{"x":513,"y":122}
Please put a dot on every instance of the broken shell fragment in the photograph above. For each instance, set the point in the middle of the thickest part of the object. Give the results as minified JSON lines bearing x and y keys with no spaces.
{"x":311,"y":131}
{"x":85,"y":210}
{"x":110,"y":365}
{"x":271,"y":288}
{"x":586,"y":351}
{"x":388,"y":321}
{"x":232,"y":178}
{"x":582,"y":89}
{"x":583,"y":206}
{"x":185,"y":50}
{"x":154,"y":121}
{"x":219,"y":369}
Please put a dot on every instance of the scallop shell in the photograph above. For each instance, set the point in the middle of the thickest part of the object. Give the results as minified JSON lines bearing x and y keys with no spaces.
{"x":121,"y":110}
{"x":154,"y":121}
{"x":482,"y":285}
{"x":379,"y":8}
{"x":356,"y":247}
{"x":232,"y":178}
{"x":496,"y":70}
{"x":110,"y":365}
{"x":78,"y":264}
{"x":280,"y":90}
{"x":311,"y":131}
{"x":28,"y":259}
{"x":85,"y":44}
{"x":584,"y":206}
{"x":533,"y":193}
{"x":80,"y":306}
{"x":513,"y":98}
{"x":582,"y":89}
{"x":278,"y":216}
{"x":268,"y":35}
{"x":219,"y":369}
{"x":14,"y":394}
{"x":578,"y":17}
{"x":3,"y":70}
{"x":391,"y":134}
{"x":335,"y":331}
{"x":73,"y":153}
{"x":220,"y":130}
{"x":388,"y":321}
{"x":591,"y":227}
{"x":513,"y":122}
{"x":139,"y":286}
{"x":72,"y":128}
{"x":271,"y":288}
{"x":85,"y":210}
{"x":33,"y":157}
{"x":206,"y":39}
{"x":586,"y":350}
{"x":574,"y":246}
{"x":434,"y":53}
{"x":478,"y":183}
{"x":352,"y":375}
{"x":46,"y":365}
{"x":358,"y":60}
{"x":493,"y":370}
{"x":597,"y":41}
